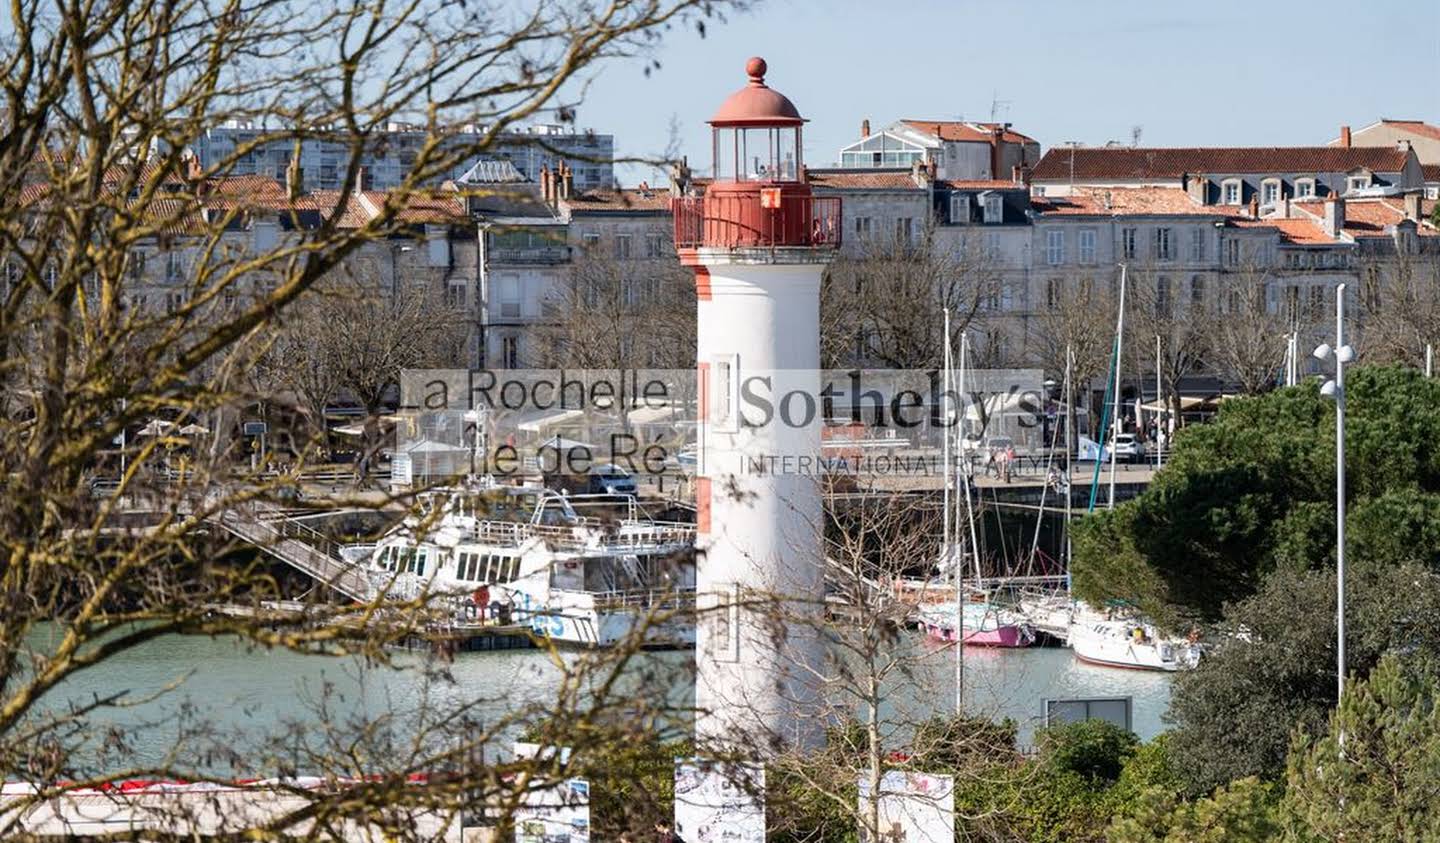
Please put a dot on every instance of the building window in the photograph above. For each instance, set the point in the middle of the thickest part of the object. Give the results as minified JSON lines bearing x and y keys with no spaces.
{"x":862,"y":226}
{"x":1197,"y":244}
{"x":904,"y":229}
{"x":137,"y":266}
{"x":1162,"y":296}
{"x":1053,"y":290}
{"x":1087,"y":245}
{"x":1197,"y":292}
{"x":1269,"y":191}
{"x":1038,"y":191}
{"x":510,"y":352}
{"x":992,"y":209}
{"x":1232,"y":253}
{"x":1163,"y":244}
{"x":174,"y":267}
{"x":455,"y":295}
{"x":510,"y":296}
{"x":959,"y":208}
{"x":1354,"y":183}
{"x":1230,"y":193}
{"x":655,"y":246}
{"x":622,"y":247}
{"x":1304,"y":188}
{"x":1054,"y":247}
{"x":1127,"y":243}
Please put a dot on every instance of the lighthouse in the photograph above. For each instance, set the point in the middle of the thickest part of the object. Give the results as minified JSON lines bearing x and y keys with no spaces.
{"x":758,"y":241}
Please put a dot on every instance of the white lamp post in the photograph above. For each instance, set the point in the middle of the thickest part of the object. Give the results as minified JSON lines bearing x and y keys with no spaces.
{"x":1336,"y":389}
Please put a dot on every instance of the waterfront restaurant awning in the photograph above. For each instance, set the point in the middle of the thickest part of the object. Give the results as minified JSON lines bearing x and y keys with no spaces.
{"x":541,"y":422}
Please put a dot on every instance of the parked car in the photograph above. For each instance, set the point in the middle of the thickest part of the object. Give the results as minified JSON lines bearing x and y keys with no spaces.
{"x":1129,"y":448}
{"x":610,"y":479}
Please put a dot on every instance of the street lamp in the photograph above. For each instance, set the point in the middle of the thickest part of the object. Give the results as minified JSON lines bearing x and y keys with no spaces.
{"x":1336,"y":389}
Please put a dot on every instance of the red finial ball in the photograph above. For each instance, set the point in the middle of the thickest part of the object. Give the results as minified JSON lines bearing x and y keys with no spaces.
{"x":756,"y":68}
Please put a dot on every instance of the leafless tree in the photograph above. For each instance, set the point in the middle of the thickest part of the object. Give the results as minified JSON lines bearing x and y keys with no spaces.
{"x":1248,"y":330}
{"x":1176,"y":309}
{"x":1076,"y":315}
{"x":103,"y":104}
{"x":622,"y":313}
{"x":884,"y":304}
{"x":1399,"y":296}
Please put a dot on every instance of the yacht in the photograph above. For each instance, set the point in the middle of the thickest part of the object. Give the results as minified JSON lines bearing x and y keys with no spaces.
{"x":1130,"y":643}
{"x":985,"y":624}
{"x":587,"y":570}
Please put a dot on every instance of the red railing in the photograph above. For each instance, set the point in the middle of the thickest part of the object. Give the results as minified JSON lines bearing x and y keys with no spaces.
{"x":739,"y":221}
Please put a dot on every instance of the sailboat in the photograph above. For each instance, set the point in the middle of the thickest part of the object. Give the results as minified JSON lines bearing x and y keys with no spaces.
{"x":978,"y":621}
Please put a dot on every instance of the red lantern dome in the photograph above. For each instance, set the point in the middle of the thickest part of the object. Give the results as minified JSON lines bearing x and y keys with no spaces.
{"x":757,"y":103}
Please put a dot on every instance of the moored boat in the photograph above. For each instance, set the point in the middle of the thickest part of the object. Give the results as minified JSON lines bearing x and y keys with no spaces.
{"x":984,"y":625}
{"x":1130,"y":644}
{"x":526,"y":555}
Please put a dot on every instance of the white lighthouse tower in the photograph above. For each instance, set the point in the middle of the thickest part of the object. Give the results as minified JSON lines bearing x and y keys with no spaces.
{"x":759,"y":242}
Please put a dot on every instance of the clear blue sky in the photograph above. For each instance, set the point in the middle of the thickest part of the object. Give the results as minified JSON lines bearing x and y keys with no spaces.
{"x":1190,"y":72}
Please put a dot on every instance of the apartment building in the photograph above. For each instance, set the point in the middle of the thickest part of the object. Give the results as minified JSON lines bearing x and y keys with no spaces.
{"x":955,"y":150}
{"x":388,"y":158}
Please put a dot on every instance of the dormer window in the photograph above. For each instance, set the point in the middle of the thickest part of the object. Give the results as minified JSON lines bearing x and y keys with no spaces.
{"x":959,"y":208}
{"x":992,"y":208}
{"x":1357,"y":182}
{"x":1230,"y":193}
{"x":1269,"y":191}
{"x":1304,"y":188}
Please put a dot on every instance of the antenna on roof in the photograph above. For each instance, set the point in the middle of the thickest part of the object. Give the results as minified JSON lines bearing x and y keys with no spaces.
{"x":1135,"y":132}
{"x":997,"y":106}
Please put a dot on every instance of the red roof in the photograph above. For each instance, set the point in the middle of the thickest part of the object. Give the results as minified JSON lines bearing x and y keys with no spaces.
{"x":1129,"y":201}
{"x":863,"y":179}
{"x":1430,"y":172}
{"x":1106,"y":163}
{"x":619,"y":201}
{"x":1301,"y":232}
{"x":1419,"y":127}
{"x":756,"y":103}
{"x":981,"y":184}
{"x":1370,"y":217}
{"x":956,"y":130}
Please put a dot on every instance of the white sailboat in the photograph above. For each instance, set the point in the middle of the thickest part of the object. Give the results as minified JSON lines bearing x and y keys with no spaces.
{"x":1134,"y":644}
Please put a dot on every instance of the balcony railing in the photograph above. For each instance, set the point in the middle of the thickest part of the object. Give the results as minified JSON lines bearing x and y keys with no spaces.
{"x":739,"y":221}
{"x":537,"y":255}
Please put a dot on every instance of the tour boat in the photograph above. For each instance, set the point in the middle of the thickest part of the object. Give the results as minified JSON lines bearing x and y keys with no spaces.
{"x":1130,"y":644}
{"x":985,"y":625}
{"x":531,"y":558}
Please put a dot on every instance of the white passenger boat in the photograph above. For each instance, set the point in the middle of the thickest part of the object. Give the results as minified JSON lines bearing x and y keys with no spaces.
{"x":1130,"y":643}
{"x":579,"y":569}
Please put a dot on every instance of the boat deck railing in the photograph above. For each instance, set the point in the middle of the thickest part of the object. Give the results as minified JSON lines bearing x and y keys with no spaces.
{"x":586,"y":535}
{"x":646,"y":598}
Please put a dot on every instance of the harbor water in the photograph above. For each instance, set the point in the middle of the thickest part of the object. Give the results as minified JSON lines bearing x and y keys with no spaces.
{"x":250,"y":695}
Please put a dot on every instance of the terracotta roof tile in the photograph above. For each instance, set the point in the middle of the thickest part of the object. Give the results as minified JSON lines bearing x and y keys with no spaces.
{"x":1419,"y":127}
{"x":626,"y":200}
{"x":1430,"y":172}
{"x":1129,"y":201}
{"x":1105,"y":163}
{"x":960,"y":130}
{"x":877,"y":179}
{"x":1301,"y":232}
{"x":1371,"y":217}
{"x":980,"y":184}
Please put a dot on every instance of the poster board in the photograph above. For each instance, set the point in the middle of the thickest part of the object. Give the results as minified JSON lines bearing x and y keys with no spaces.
{"x":552,"y":813}
{"x":914,"y":807}
{"x":719,"y":801}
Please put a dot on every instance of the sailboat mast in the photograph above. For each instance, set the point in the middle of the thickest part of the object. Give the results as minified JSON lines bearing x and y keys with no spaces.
{"x":946,"y":544}
{"x":1069,"y":428}
{"x":1119,"y":354}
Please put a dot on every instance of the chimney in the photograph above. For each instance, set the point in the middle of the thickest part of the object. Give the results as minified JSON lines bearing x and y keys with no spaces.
{"x":567,"y":180}
{"x":362,"y":179}
{"x":1254,"y":207}
{"x":1412,"y":206}
{"x":1334,"y":221}
{"x":1345,"y":136}
{"x":545,"y":183}
{"x":996,"y":133}
{"x":931,"y":168}
{"x":865,"y":128}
